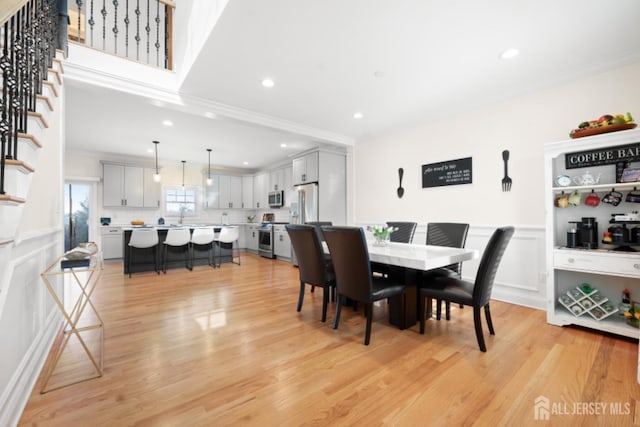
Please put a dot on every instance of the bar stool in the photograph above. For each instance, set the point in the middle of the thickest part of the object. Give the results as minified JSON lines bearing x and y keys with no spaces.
{"x":203,"y":237}
{"x":228,"y":235}
{"x":177,"y":238}
{"x":144,"y":238}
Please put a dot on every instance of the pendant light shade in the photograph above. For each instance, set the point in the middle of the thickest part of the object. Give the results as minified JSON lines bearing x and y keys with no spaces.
{"x":209,"y":180}
{"x":183,"y":162}
{"x":156,"y":176}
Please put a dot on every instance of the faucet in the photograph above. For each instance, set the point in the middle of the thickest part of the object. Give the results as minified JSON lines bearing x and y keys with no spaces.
{"x":182,"y":209}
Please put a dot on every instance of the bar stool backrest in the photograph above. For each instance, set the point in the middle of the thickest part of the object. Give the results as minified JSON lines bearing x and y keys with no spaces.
{"x":202,"y":236}
{"x":229,"y":234}
{"x":178,"y":237}
{"x":143,"y":238}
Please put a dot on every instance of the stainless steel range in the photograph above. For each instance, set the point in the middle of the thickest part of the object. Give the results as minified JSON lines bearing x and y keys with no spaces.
{"x":265,"y":240}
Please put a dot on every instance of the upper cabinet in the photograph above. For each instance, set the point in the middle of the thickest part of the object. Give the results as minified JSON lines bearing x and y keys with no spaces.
{"x":247,"y":191}
{"x":152,"y":191}
{"x":123,"y":186}
{"x":261,"y":191}
{"x":230,"y":192}
{"x":305,"y":169}
{"x":225,"y":192}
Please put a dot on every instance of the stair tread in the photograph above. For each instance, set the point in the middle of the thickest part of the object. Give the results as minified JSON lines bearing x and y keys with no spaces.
{"x":19,"y":164}
{"x":38,"y":116}
{"x":31,"y":138}
{"x":52,"y":86}
{"x":7,"y":198}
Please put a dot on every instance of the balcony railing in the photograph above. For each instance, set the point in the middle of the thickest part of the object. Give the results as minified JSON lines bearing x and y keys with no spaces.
{"x":136,"y":29}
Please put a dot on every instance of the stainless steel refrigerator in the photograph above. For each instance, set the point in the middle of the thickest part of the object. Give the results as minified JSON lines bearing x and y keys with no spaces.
{"x":305,"y":209}
{"x":307,"y":202}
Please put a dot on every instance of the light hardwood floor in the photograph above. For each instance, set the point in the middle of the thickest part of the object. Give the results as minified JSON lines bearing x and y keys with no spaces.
{"x":227,"y":347}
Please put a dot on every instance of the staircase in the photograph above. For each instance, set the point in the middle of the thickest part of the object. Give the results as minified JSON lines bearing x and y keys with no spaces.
{"x":31,"y":77}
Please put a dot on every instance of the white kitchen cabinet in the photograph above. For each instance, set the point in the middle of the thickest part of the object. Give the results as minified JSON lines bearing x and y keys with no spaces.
{"x":230,"y":192}
{"x":211,"y":192}
{"x":111,"y":242}
{"x":247,"y":192}
{"x":261,"y":191}
{"x":281,"y":242}
{"x":607,"y":270}
{"x":123,"y":186}
{"x":252,"y":237}
{"x":306,"y":169}
{"x":152,"y":191}
{"x":276,"y":178}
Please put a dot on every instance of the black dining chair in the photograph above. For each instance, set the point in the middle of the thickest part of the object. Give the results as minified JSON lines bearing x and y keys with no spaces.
{"x":476,"y":294}
{"x":348,"y":248}
{"x":404,"y":232}
{"x":453,"y":235}
{"x":318,"y":226}
{"x":315,"y":269}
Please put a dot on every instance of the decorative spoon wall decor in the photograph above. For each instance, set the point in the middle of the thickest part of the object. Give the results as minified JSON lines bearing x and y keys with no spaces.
{"x":400,"y":189}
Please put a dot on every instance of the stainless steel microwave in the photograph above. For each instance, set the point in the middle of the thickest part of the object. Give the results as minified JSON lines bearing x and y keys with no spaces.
{"x":276,"y":199}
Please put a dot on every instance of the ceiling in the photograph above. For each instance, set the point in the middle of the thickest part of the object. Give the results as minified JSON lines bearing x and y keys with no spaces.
{"x":397,"y":62}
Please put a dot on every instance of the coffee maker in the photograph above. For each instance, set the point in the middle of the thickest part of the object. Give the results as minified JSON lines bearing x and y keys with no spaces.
{"x":583,"y":233}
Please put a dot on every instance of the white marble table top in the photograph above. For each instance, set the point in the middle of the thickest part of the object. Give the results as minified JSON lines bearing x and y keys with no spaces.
{"x":416,"y":256}
{"x":419,"y":257}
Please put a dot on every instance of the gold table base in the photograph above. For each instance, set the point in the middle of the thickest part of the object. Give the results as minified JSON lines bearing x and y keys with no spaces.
{"x":84,"y":274}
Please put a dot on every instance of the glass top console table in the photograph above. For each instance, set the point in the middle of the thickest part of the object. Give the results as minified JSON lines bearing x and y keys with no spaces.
{"x":71,"y":282}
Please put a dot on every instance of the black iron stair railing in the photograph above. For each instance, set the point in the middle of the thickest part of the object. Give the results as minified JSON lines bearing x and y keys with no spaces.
{"x":28,"y":40}
{"x":151,"y":29}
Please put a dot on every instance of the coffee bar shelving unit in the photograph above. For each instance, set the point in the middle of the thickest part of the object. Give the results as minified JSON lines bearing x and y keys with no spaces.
{"x":605,"y":268}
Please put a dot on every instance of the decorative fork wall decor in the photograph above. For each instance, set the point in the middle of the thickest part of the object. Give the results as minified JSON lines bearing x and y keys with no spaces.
{"x":506,"y":181}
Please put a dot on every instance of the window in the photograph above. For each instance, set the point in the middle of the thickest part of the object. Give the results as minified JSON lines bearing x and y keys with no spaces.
{"x":179,"y":202}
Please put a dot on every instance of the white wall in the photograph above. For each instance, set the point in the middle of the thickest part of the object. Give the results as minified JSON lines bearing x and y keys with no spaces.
{"x":521,"y":125}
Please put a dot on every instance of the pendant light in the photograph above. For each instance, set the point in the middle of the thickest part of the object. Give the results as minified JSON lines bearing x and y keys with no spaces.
{"x":183,"y":162}
{"x":156,"y":176}
{"x":209,"y":180}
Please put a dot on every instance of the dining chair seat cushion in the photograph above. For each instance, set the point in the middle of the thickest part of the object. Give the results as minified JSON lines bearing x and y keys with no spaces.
{"x":382,"y":289}
{"x":450,"y":288}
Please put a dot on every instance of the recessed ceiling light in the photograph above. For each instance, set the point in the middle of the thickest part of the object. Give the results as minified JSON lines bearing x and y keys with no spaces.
{"x":211,"y":115}
{"x":149,"y":150}
{"x":245,"y":163}
{"x":283,"y":145}
{"x":268,"y":82}
{"x":167,"y":122}
{"x":509,"y":53}
{"x":357,"y":115}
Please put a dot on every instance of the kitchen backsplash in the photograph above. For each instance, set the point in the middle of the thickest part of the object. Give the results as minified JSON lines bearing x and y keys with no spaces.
{"x":214,"y":216}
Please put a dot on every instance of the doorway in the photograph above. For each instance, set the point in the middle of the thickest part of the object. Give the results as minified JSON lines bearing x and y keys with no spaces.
{"x":77,"y":213}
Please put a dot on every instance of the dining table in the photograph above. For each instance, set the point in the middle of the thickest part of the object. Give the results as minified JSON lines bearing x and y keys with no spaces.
{"x":409,"y":260}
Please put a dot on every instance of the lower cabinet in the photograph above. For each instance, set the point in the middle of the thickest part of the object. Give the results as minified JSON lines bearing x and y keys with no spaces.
{"x":281,"y":242}
{"x":252,"y":238}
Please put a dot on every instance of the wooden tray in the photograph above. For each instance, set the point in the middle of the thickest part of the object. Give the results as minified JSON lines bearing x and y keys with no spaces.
{"x":579,"y":133}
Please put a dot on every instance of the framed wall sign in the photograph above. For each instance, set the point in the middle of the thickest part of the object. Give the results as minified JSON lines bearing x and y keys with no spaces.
{"x":450,"y":172}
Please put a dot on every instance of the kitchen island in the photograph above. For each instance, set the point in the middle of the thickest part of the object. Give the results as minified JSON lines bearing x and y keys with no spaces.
{"x":143,"y":258}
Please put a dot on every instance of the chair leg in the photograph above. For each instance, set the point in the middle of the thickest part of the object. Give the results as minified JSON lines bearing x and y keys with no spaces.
{"x":313,"y":288}
{"x":325,"y":302}
{"x":487,"y":314}
{"x":421,"y":311}
{"x":438,"y":309}
{"x":131,"y":256}
{"x":368,"y":308}
{"x":477,"y":321}
{"x":336,"y":320}
{"x":447,"y":308}
{"x":156,"y":265}
{"x":300,"y":296}
{"x":186,"y":259}
{"x":164,"y":259}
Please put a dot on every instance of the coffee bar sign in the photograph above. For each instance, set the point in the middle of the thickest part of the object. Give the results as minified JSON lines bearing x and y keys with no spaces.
{"x":603,"y":156}
{"x":451,"y":172}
